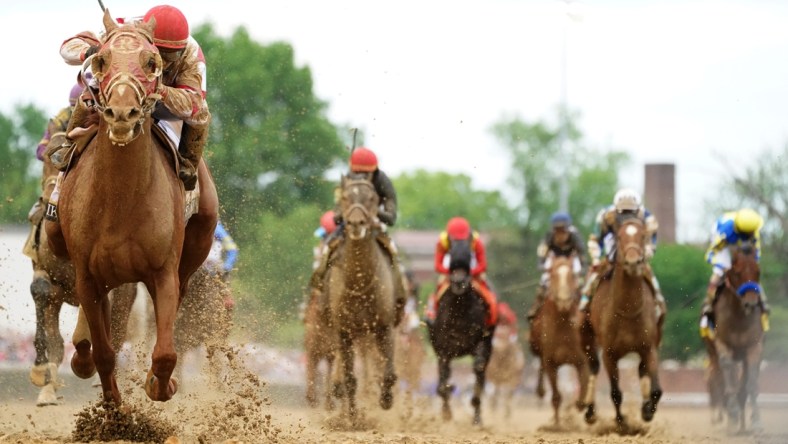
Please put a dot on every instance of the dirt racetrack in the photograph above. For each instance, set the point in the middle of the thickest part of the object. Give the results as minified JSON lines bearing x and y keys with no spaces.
{"x":252,"y":413}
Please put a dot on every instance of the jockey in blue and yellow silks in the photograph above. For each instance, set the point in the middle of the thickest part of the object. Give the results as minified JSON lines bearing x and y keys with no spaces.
{"x":732,"y":228}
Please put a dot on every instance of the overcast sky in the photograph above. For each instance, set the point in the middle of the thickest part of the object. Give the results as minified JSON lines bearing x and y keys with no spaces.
{"x":682,"y":82}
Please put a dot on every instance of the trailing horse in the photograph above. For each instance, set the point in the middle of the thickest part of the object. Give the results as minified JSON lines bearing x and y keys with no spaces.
{"x":459,"y":329}
{"x":555,"y":334}
{"x":623,"y":319}
{"x":122,"y":211}
{"x":361,"y":288}
{"x":738,"y":337}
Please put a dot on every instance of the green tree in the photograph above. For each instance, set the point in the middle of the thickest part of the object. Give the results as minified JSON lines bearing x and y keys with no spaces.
{"x":270,"y":142}
{"x":19,"y":169}
{"x":428,"y":199}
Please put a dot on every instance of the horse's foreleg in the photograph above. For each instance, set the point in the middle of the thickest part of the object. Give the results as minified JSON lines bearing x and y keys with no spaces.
{"x":540,"y":391}
{"x":82,"y":364}
{"x":329,"y":377}
{"x":731,"y":378}
{"x":165,"y":295}
{"x":552,"y":376}
{"x":649,"y":384}
{"x":444,"y":388}
{"x":583,"y":376}
{"x":96,"y":308}
{"x":752,"y":374}
{"x":480,"y":360}
{"x":312,"y":361}
{"x":347,"y":358}
{"x":385,"y":343}
{"x":611,"y":366}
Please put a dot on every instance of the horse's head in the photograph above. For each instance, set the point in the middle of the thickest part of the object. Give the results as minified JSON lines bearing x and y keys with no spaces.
{"x":563,"y":283}
{"x":631,"y":244}
{"x":744,"y":276}
{"x":359,"y":204}
{"x":128,"y":68}
{"x":460,"y":265}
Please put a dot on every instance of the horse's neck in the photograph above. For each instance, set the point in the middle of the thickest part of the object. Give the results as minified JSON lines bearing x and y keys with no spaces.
{"x":128,"y":167}
{"x":627,"y":289}
{"x":360,"y":260}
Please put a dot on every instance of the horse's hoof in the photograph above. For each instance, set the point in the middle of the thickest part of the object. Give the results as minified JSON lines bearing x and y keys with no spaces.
{"x":648,"y":410}
{"x":590,"y":414}
{"x":477,"y":419}
{"x":386,"y":400}
{"x":153,"y":391}
{"x":47,"y":396}
{"x":446,"y":413}
{"x":82,"y":361}
{"x":38,"y":375}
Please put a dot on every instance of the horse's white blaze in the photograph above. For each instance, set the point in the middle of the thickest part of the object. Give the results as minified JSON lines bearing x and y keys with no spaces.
{"x":631,"y":230}
{"x":563,"y":282}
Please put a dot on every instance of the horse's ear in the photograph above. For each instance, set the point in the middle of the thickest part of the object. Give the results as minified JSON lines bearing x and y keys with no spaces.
{"x":109,"y":22}
{"x":148,"y":26}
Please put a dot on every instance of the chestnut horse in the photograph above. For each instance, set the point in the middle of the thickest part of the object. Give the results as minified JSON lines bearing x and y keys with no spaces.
{"x":507,"y":363}
{"x":122,"y":215}
{"x":555,"y":333}
{"x":459,"y":329}
{"x":739,"y":336}
{"x":52,"y":286}
{"x":623,"y":319}
{"x":361,"y":290}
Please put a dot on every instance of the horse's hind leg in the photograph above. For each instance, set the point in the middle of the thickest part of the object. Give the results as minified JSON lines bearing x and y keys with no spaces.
{"x":40,"y":289}
{"x":649,"y":384}
{"x":540,"y":391}
{"x":385,"y":343}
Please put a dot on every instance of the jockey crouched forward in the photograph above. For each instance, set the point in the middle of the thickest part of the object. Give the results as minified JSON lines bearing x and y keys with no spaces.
{"x":732,"y":228}
{"x":562,"y":240}
{"x":626,"y":205}
{"x":182,"y":89}
{"x":458,"y":229}
{"x":364,"y":161}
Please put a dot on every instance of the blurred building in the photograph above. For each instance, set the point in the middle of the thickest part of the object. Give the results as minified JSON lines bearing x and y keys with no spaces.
{"x":660,"y":198}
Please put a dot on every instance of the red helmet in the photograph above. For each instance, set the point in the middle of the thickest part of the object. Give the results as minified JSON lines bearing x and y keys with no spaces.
{"x":458,"y":228}
{"x":327,"y":221}
{"x":363,"y":160}
{"x":172,"y":29}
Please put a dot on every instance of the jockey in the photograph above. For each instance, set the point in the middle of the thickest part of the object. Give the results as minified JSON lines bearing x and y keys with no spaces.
{"x":327,"y":226}
{"x":459,"y":229}
{"x":182,"y":89}
{"x":364,"y":161}
{"x":57,"y":124}
{"x":221,"y":259}
{"x":562,"y":240}
{"x":626,"y":205}
{"x":730,"y":229}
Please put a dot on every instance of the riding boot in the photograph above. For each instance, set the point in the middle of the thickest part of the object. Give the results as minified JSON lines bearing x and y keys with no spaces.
{"x":538,"y":302}
{"x":707,"y":311}
{"x":60,"y":155}
{"x":588,"y":288}
{"x":766,"y":311}
{"x":190,"y":148}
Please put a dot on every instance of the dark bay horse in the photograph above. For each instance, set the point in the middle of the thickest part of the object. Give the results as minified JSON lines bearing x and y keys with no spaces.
{"x":459,"y":329}
{"x":53,"y":286}
{"x":121,"y":211}
{"x":361,"y":290}
{"x":623,"y":319}
{"x":555,"y":333}
{"x":739,"y":336}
